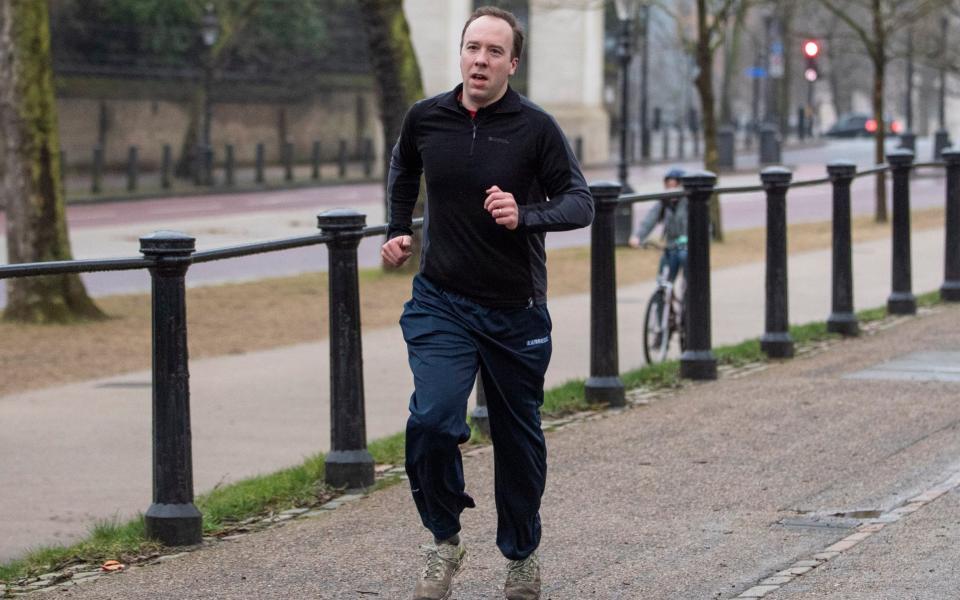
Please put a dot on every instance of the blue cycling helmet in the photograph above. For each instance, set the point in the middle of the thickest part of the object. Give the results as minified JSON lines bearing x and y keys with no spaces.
{"x":674,"y":173}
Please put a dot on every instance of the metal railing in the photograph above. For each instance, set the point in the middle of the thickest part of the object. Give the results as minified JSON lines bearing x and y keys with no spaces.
{"x":697,"y":360}
{"x":173,"y":518}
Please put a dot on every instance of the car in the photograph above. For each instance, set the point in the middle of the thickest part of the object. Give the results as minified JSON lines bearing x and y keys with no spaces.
{"x":860,"y":125}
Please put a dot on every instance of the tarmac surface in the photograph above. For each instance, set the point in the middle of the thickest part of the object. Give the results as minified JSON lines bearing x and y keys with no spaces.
{"x":701,"y":493}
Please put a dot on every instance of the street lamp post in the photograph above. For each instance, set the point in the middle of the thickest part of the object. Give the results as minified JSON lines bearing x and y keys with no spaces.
{"x":210,"y":31}
{"x":644,"y":93}
{"x":627,"y":14}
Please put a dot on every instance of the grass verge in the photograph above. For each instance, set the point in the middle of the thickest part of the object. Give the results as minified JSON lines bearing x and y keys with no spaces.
{"x":224,"y":508}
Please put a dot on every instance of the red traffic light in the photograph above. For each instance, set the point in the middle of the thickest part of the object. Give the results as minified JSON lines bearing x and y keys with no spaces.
{"x":811,"y":48}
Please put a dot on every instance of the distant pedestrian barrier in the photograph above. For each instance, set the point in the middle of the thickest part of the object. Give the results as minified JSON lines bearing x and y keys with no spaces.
{"x":174,"y":519}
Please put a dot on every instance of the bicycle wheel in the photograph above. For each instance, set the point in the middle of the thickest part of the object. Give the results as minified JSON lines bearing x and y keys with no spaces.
{"x":655,"y":339}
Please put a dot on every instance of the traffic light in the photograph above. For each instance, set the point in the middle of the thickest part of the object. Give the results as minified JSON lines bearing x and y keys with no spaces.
{"x":811,"y":49}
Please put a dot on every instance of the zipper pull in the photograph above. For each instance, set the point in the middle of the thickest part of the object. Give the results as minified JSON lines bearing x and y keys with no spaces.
{"x":473,"y":140}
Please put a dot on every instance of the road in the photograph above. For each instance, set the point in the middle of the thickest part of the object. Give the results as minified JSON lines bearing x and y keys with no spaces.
{"x":112,"y":229}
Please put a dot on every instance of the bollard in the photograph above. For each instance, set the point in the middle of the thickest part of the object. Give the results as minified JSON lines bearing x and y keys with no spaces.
{"x":97,"y":175}
{"x":842,"y":319}
{"x":348,"y":464}
{"x":604,"y":384}
{"x":229,"y":165}
{"x":776,"y":341}
{"x":342,"y":158}
{"x":166,"y":165}
{"x":695,"y":135}
{"x":132,"y":169}
{"x":480,"y":418}
{"x":950,"y":290}
{"x":908,"y":140}
{"x":681,"y":143}
{"x":172,"y":517}
{"x":288,"y":161}
{"x":315,"y":161}
{"x":901,"y":300}
{"x":801,"y":123}
{"x":666,"y":143}
{"x":367,"y":157}
{"x":726,"y":148}
{"x":698,"y":361}
{"x":941,"y":142}
{"x":258,"y":176}
{"x":769,"y":145}
{"x":208,"y":165}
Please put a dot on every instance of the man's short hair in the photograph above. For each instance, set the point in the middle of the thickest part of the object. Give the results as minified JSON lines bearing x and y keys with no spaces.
{"x":509,"y":17}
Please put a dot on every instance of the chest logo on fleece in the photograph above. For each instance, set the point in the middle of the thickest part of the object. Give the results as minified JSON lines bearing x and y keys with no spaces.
{"x":498,"y":140}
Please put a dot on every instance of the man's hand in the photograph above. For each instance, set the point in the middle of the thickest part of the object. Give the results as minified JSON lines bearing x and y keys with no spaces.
{"x":634,"y":241}
{"x":397,"y":250}
{"x":502,"y":207}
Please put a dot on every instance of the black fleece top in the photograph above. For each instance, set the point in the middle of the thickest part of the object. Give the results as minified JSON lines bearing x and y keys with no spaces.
{"x":513,"y":144}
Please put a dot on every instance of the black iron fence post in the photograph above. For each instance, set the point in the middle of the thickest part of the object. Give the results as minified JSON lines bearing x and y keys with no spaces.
{"x":842,"y":319}
{"x":342,"y":159}
{"x":132,"y":169}
{"x":229,"y":165}
{"x":666,"y":143}
{"x":901,"y":300}
{"x":288,"y":161}
{"x":480,"y":417}
{"x":950,"y":290}
{"x":97,"y":176}
{"x":258,"y":177}
{"x":604,"y":384}
{"x":166,"y":165}
{"x":172,"y":518}
{"x":698,"y":361}
{"x":348,"y":464}
{"x":315,"y":161}
{"x":776,"y":341}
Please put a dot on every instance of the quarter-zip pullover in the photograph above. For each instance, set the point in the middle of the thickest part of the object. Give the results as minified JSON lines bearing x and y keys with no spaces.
{"x":513,"y":144}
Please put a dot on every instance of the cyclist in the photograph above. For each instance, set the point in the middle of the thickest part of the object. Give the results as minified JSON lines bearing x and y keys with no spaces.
{"x":673,"y":214}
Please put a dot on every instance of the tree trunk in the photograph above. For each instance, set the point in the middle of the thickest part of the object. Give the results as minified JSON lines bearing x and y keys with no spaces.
{"x":187,"y":161}
{"x":399,"y":84}
{"x":731,"y":65}
{"x":879,"y":58}
{"x":704,"y":83}
{"x":30,"y":180}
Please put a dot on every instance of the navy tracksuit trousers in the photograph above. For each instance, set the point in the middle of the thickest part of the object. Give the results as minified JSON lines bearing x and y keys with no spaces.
{"x":448,"y":337}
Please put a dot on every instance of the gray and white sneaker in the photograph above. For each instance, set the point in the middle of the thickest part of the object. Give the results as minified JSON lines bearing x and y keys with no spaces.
{"x":441,"y":563}
{"x":523,"y":579}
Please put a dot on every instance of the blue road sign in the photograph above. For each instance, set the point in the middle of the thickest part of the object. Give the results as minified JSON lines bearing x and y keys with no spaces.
{"x":756,"y":72}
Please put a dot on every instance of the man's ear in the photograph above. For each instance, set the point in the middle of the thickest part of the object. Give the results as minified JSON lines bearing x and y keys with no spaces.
{"x":514,"y":63}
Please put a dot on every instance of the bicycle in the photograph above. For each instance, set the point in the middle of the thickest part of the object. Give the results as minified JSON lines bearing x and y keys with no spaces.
{"x":659,"y":325}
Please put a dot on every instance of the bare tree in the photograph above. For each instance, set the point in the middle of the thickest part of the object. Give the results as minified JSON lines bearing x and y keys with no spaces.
{"x":883,"y":18}
{"x":30,"y":183}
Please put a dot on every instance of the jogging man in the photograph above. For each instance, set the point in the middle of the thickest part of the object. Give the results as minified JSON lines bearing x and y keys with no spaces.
{"x":499,"y":174}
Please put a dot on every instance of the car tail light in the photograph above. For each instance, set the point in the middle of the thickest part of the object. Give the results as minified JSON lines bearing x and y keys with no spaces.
{"x":896,"y":127}
{"x":871,"y":126}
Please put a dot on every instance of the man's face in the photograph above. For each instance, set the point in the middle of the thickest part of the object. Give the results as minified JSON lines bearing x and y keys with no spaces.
{"x":485,"y":61}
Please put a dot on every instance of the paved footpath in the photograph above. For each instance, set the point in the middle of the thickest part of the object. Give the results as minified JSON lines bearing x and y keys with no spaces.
{"x":802,"y":479}
{"x":81,"y":452}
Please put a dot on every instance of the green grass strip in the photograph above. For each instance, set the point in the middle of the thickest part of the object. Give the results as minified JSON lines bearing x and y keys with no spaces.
{"x":302,"y":485}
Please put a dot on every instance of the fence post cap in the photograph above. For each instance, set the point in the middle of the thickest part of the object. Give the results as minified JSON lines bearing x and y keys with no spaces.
{"x":951,"y":155}
{"x":776,"y":175}
{"x":341,"y":219}
{"x":695,"y":180}
{"x":605,"y":188}
{"x":168,"y":243}
{"x":841,"y":165}
{"x":900,"y":157}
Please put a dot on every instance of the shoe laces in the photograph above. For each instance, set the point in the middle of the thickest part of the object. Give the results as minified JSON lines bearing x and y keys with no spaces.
{"x":433,"y":568}
{"x":523,"y":570}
